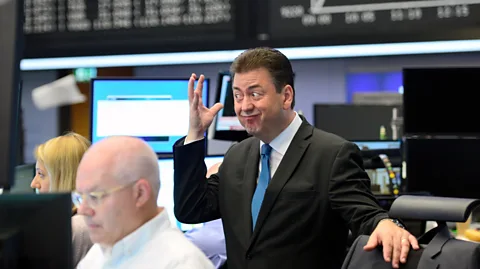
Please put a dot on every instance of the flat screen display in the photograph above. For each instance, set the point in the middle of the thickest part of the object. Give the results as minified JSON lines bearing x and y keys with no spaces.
{"x":155,"y":110}
{"x":61,"y":28}
{"x":358,"y":122}
{"x":380,"y":181}
{"x":440,"y":101}
{"x":443,"y":167}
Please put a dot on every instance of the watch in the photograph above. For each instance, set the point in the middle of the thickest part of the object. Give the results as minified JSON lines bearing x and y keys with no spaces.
{"x":396,"y":222}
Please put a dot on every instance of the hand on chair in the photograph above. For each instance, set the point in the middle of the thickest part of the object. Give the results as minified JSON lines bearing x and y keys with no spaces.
{"x":396,"y":242}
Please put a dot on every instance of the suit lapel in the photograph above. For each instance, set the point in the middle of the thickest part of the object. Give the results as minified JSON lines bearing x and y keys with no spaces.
{"x":249,"y":183}
{"x":284,"y":171}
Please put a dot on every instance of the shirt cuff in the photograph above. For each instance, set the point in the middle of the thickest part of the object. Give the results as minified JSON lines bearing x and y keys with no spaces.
{"x":185,"y":142}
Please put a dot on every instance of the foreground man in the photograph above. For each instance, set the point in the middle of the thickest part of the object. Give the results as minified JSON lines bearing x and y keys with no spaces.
{"x":117,"y":188}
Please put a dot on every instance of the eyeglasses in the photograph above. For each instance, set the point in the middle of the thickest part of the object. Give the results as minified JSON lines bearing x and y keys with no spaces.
{"x":93,"y":199}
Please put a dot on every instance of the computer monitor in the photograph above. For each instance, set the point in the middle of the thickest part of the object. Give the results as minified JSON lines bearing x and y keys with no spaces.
{"x":24,"y":175}
{"x":11,"y":48}
{"x":226,"y":125}
{"x":440,"y":101}
{"x":443,"y":167}
{"x":36,"y":231}
{"x":357,"y":122}
{"x":382,"y":161}
{"x":165,"y":197}
{"x":156,"y":110}
{"x":381,"y":182}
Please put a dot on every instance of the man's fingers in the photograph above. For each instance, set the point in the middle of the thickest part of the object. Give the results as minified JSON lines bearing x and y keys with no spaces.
{"x":371,"y":244}
{"x":397,"y":250}
{"x":191,"y":83}
{"x":199,"y":89}
{"x":413,"y":241}
{"x":195,"y":101}
{"x":387,"y":249}
{"x":201,"y":79}
{"x":405,"y":249}
{"x":215,"y":108}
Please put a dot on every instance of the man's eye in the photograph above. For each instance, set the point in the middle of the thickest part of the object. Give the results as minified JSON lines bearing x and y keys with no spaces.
{"x":93,"y":198}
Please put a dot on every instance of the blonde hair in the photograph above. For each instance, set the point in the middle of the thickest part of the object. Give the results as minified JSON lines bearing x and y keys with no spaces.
{"x":61,"y":156}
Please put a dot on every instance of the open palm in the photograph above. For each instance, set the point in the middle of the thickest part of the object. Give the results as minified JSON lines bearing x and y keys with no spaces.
{"x":201,"y":117}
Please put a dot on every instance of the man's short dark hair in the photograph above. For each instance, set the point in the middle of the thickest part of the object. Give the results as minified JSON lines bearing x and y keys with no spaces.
{"x":276,"y":63}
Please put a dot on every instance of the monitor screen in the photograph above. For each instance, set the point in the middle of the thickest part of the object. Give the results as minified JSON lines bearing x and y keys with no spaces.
{"x":155,"y":110}
{"x":358,"y":122}
{"x":443,"y":167}
{"x":36,"y":231}
{"x":380,"y":181}
{"x":226,"y":125}
{"x":439,"y":101}
{"x":24,"y":175}
{"x":165,"y":197}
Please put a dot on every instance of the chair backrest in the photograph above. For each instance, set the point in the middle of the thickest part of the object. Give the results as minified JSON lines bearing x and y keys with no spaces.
{"x":438,"y":247}
{"x":437,"y":250}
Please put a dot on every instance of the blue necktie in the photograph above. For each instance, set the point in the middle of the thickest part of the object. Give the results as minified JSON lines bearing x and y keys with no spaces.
{"x":262,"y":184}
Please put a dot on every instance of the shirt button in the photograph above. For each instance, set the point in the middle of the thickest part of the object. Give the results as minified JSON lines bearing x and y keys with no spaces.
{"x":249,"y":257}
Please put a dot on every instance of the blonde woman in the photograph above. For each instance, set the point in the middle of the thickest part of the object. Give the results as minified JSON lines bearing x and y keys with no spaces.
{"x":56,"y":171}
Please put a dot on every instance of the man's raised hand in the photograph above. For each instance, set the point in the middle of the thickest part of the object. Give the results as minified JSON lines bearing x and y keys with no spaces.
{"x":200,"y":116}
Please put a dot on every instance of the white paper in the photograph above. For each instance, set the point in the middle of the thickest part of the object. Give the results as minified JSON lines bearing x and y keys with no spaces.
{"x":58,"y":93}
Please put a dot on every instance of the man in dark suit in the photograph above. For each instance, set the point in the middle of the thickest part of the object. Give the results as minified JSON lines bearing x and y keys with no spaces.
{"x":288,"y":195}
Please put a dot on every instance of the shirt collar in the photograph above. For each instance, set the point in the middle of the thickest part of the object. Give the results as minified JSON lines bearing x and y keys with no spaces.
{"x":134,"y":242}
{"x":282,"y":141}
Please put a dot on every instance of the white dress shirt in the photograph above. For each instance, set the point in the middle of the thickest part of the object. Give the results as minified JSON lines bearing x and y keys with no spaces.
{"x":280,"y":145}
{"x":156,"y":244}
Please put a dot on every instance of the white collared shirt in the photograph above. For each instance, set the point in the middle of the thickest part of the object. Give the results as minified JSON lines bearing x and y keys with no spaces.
{"x":156,"y":244}
{"x":280,"y":145}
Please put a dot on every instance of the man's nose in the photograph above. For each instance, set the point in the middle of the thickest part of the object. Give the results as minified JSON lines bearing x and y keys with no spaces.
{"x":84,"y":209}
{"x":247,"y":104}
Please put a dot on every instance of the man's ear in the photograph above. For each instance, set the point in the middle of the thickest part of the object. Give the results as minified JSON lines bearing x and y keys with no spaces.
{"x":288,"y":97}
{"x":142,"y":193}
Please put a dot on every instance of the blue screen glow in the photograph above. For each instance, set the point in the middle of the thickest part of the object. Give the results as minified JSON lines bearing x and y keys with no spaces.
{"x":373,"y":82}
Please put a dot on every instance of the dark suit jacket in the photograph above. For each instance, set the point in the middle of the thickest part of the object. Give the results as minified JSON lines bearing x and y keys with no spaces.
{"x":441,"y":251}
{"x":318,"y":191}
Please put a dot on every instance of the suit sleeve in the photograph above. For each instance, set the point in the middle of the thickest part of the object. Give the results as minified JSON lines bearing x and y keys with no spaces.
{"x":194,"y":195}
{"x":350,"y":193}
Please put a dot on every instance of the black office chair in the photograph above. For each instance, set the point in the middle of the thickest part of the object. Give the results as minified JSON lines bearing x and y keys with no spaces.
{"x":438,"y":248}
